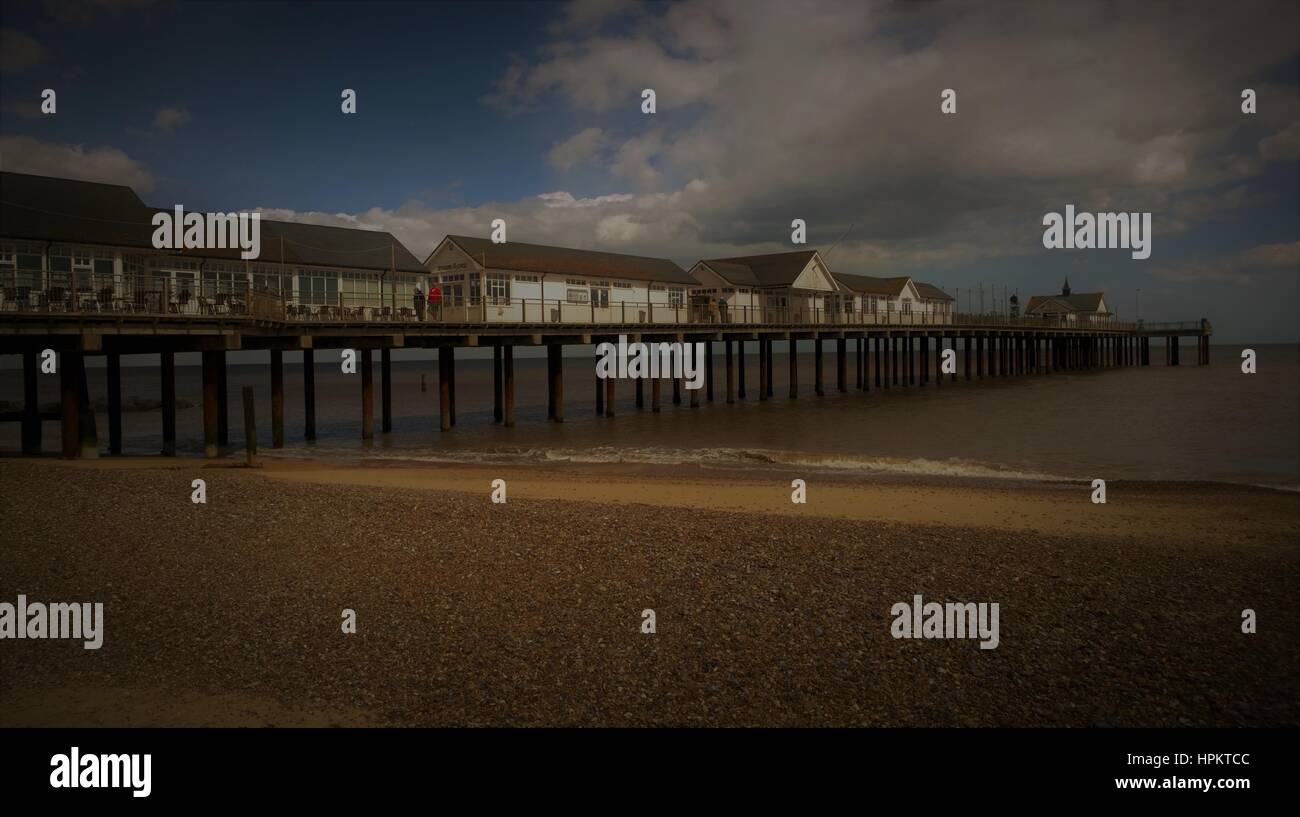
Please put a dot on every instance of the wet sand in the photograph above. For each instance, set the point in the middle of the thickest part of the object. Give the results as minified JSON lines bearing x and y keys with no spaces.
{"x":529,"y":613}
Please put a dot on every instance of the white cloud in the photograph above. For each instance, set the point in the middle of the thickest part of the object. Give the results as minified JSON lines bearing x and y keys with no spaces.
{"x":582,"y":148}
{"x":168,"y":119}
{"x":19,"y":51}
{"x":23,"y":154}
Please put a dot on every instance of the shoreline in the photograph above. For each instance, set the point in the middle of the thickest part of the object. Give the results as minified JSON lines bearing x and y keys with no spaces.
{"x":528,"y":613}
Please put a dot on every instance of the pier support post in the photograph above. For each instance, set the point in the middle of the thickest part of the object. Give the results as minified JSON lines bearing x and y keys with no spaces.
{"x":309,"y":393}
{"x":841,"y":365}
{"x":555,"y":370}
{"x":864,"y":363}
{"x":367,"y":394}
{"x":818,"y":387}
{"x":677,"y":391}
{"x":731,"y":374}
{"x":740,"y":369}
{"x":451,"y":381}
{"x":223,"y":402}
{"x":966,"y":357}
{"x":444,"y":389}
{"x":508,"y":386}
{"x":708,"y":373}
{"x":925,"y":360}
{"x":655,"y":389}
{"x":211,"y":362}
{"x":979,"y":357}
{"x":70,"y":403}
{"x":695,"y":398}
{"x":600,"y":389}
{"x":386,"y":390}
{"x":114,"y":403}
{"x":609,"y":396}
{"x":31,"y":402}
{"x":277,"y":398}
{"x":497,"y":397}
{"x":794,"y":368}
{"x":86,"y":419}
{"x":640,"y":392}
{"x":762,"y":370}
{"x":768,"y":367}
{"x":168,"y":366}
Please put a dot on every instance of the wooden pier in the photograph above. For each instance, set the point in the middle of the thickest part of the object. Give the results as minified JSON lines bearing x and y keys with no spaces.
{"x":886,"y":356}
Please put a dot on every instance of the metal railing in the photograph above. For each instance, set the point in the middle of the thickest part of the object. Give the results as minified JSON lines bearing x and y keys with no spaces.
{"x":158,"y":295}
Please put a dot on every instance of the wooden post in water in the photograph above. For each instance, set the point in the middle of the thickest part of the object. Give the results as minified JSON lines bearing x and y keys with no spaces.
{"x":731,"y":374}
{"x":444,"y":389}
{"x":609,"y":395}
{"x":89,"y":434}
{"x":386,"y":389}
{"x":451,"y":381}
{"x":223,"y":401}
{"x":841,"y":365}
{"x":708,"y":374}
{"x":768,"y":342}
{"x":114,"y":403}
{"x":818,"y":388}
{"x":600,"y":389}
{"x":555,"y":368}
{"x":497,"y":410}
{"x":367,"y":394}
{"x":925,"y":360}
{"x":309,"y":393}
{"x":168,"y":366}
{"x":762,"y":369}
{"x":277,"y":398}
{"x":31,"y":402}
{"x":794,"y":368}
{"x":879,"y":358}
{"x":640,"y":392}
{"x":70,"y":403}
{"x":250,"y":426}
{"x":210,"y":394}
{"x":740,"y":369}
{"x":508,"y":386}
{"x":654,"y":393}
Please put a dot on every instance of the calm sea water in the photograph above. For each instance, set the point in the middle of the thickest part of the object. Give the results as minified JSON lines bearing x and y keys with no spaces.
{"x":1155,"y":423}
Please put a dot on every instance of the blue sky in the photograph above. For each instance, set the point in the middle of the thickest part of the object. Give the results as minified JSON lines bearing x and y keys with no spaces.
{"x":824,"y":111}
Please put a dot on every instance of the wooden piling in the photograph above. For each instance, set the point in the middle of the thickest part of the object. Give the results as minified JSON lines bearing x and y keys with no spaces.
{"x":114,"y":403}
{"x":817,"y":367}
{"x":31,"y":402}
{"x":731,"y":374}
{"x":223,"y":400}
{"x":925,"y":359}
{"x":762,"y":369}
{"x":508,"y":386}
{"x":367,"y":394}
{"x":794,"y":368}
{"x":555,"y":379}
{"x":640,"y":392}
{"x":497,"y":397}
{"x":708,"y":373}
{"x":89,"y":433}
{"x":444,"y":389}
{"x":70,"y":403}
{"x":769,"y":367}
{"x":277,"y":398}
{"x":600,"y":389}
{"x":250,"y":425}
{"x":210,"y":394}
{"x":168,"y":366}
{"x":609,"y":395}
{"x":654,"y":393}
{"x":386,"y":389}
{"x":451,"y":382}
{"x":309,"y":393}
{"x":841,"y":365}
{"x":740,"y":369}
{"x":880,"y":342}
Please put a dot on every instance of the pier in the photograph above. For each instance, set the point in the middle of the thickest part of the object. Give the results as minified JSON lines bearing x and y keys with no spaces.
{"x":888,"y":351}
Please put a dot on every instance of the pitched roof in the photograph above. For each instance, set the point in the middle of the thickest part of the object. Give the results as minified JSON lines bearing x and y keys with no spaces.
{"x":44,"y":208}
{"x":771,"y":270}
{"x":540,"y":258}
{"x":931,"y":292}
{"x":735,"y":274}
{"x":319,"y":245}
{"x":871,"y":285}
{"x":1075,"y":302}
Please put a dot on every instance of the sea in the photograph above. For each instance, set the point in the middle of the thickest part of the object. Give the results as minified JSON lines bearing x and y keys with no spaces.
{"x":1156,"y":423}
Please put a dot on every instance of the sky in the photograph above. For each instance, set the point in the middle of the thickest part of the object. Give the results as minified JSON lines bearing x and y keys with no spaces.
{"x":766,"y":112}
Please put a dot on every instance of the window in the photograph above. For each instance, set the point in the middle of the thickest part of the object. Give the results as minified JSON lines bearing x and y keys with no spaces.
{"x":576,"y":282}
{"x":657,"y":287}
{"x":320,"y":287}
{"x":907,"y":307}
{"x":576,"y":296}
{"x":600,"y":297}
{"x":524,"y":279}
{"x":622,"y":285}
{"x":498,"y":289}
{"x":675,"y":296}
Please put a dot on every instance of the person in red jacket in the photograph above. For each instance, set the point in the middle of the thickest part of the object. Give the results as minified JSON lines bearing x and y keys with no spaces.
{"x":435,"y":302}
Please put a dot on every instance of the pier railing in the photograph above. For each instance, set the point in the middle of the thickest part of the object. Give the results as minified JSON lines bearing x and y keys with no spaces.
{"x":83,"y":293}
